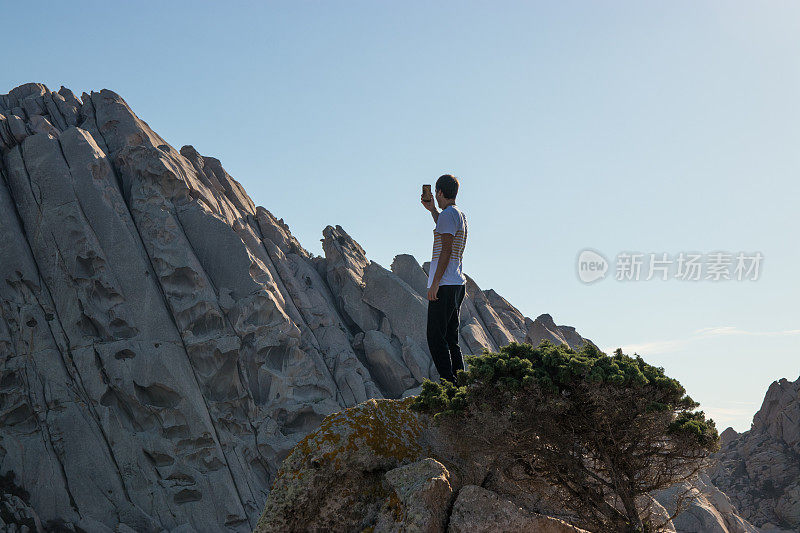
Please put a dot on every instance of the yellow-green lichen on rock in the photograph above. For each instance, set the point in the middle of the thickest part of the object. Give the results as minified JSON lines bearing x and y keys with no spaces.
{"x":379,"y":467}
{"x":333,"y":478}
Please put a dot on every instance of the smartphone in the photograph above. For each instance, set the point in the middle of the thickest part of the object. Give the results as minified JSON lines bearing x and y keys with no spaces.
{"x":426,"y":193}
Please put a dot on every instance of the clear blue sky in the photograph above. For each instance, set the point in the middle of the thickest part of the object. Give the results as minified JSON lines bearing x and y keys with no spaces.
{"x":619,"y":126}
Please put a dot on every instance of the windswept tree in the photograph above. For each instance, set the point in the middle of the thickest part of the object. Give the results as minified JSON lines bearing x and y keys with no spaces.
{"x":604,"y":431}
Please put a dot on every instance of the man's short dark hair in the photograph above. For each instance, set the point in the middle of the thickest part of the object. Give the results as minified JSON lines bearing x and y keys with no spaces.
{"x":448,"y":184}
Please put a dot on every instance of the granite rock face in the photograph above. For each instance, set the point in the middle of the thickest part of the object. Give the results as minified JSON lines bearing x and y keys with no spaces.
{"x":760,"y":469}
{"x":164,"y":341}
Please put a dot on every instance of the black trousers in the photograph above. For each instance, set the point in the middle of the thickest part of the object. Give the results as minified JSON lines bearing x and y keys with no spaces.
{"x":443,"y":323}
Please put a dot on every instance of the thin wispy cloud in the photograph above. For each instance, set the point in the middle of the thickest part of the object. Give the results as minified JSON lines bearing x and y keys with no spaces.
{"x":654,"y":347}
{"x":731,"y":330}
{"x":670,"y":345}
{"x":728,"y":416}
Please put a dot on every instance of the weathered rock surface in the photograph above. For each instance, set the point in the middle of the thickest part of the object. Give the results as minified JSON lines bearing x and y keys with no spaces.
{"x":420,"y":498}
{"x":477,"y":510}
{"x":705,"y":509}
{"x":760,"y":469}
{"x":334,"y":479}
{"x":164,"y":341}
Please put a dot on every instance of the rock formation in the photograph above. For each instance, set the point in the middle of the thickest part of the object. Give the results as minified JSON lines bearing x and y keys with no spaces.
{"x":165,"y":342}
{"x":706,"y":508}
{"x":381,"y":467}
{"x":760,"y":469}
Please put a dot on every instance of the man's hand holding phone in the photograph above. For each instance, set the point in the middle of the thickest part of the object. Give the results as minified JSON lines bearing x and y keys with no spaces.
{"x":427,"y":198}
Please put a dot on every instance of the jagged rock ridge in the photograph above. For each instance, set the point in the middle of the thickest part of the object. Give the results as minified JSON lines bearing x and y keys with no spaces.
{"x":760,"y":468}
{"x":164,"y":341}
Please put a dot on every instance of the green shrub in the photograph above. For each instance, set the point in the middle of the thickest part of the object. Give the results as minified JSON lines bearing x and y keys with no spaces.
{"x":604,"y":430}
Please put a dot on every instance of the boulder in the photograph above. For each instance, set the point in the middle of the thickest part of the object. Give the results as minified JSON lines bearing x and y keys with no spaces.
{"x":334,"y":478}
{"x":420,"y":498}
{"x":477,"y":510}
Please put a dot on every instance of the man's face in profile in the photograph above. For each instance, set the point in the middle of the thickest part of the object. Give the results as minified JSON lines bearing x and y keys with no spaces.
{"x":440,"y":198}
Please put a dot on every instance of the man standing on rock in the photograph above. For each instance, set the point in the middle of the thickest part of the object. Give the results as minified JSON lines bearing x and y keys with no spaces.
{"x":446,"y":281}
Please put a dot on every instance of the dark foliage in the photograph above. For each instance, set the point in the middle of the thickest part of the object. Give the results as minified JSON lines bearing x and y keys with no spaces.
{"x":603,"y":430}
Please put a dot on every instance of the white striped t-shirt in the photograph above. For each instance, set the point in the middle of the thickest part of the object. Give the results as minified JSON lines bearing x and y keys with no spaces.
{"x":453,"y":221}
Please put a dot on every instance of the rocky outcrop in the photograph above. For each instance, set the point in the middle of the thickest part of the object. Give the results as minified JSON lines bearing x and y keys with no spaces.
{"x":335,"y":478}
{"x":164,"y":341}
{"x":544,"y":328}
{"x":760,"y":469}
{"x":381,"y":467}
